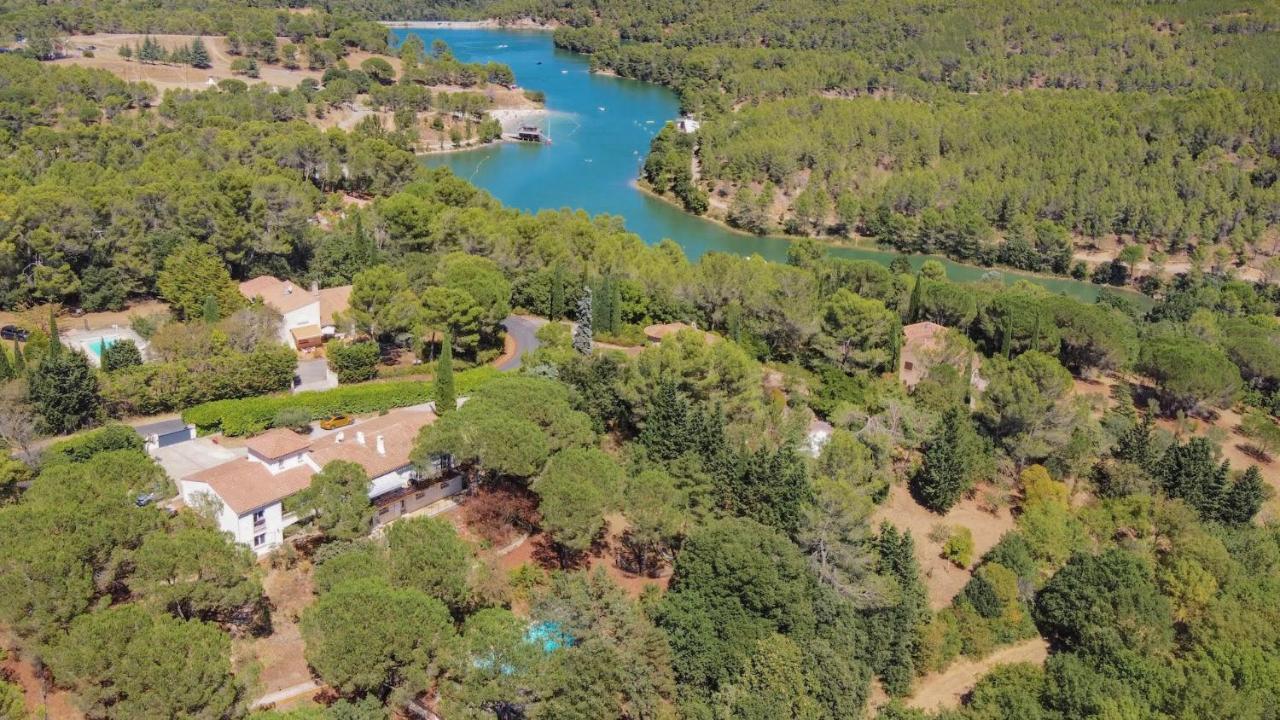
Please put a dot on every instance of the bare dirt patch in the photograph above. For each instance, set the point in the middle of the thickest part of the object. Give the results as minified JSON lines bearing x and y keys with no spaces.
{"x":944,"y":690}
{"x":943,"y":579}
{"x":42,"y":700}
{"x":105,"y":49}
{"x":280,"y":655}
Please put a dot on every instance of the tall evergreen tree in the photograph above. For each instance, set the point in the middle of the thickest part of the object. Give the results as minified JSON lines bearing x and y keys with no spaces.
{"x":6,"y":370}
{"x":1135,"y":445}
{"x":1190,"y":472}
{"x":913,"y":309}
{"x":950,"y":461}
{"x":667,"y":431}
{"x":905,"y":620}
{"x":55,"y":337}
{"x":556,"y":309}
{"x":64,"y":390}
{"x":1245,"y":498}
{"x":1006,"y":337}
{"x":615,"y":307}
{"x":199,"y":54}
{"x":446,"y":393}
{"x":582,"y":334}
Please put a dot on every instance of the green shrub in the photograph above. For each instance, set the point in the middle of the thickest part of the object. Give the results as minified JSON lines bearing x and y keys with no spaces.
{"x":84,"y":446}
{"x":959,"y":547}
{"x":250,"y":415}
{"x":352,"y":362}
{"x":161,"y":387}
{"x":294,"y":418}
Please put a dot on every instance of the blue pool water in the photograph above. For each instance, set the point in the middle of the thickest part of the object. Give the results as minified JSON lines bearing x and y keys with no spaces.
{"x":96,"y":347}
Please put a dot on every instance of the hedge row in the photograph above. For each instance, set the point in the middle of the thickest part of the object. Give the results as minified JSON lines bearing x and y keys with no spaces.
{"x":252,"y":415}
{"x":161,"y":387}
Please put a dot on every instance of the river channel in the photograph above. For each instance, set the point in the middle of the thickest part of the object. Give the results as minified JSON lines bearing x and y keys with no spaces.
{"x":600,"y":128}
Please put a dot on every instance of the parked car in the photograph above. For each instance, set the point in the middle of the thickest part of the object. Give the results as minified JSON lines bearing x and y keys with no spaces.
{"x":13,"y":332}
{"x":144,"y":499}
{"x":333,"y":422}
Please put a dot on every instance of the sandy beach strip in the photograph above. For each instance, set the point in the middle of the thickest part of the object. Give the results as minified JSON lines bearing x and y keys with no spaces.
{"x":489,"y":24}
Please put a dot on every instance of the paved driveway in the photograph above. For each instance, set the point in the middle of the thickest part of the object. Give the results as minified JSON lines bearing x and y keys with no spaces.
{"x":314,"y":375}
{"x":524,"y":329}
{"x":188,"y":458}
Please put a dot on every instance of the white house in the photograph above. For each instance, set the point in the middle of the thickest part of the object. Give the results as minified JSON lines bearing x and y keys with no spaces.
{"x":687,"y":125}
{"x":249,"y":492}
{"x":308,"y":313}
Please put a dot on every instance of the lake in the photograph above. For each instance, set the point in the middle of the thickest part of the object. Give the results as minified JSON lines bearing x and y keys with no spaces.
{"x":601,"y":127}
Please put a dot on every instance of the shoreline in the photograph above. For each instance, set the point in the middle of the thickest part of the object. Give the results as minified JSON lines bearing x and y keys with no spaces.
{"x":486,"y":24}
{"x":870,"y":245}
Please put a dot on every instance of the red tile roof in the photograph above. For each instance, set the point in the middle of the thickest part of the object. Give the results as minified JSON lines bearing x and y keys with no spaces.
{"x":277,"y":442}
{"x":245,"y":485}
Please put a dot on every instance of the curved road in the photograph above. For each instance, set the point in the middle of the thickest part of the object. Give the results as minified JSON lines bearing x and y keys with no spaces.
{"x":523,"y":328}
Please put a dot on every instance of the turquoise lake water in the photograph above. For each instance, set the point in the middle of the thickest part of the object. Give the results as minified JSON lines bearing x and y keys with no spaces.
{"x":601,"y":127}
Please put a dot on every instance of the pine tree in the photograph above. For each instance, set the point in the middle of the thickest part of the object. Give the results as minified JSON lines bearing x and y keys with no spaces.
{"x":64,"y":390}
{"x":1035,"y":334}
{"x":913,"y":309}
{"x":556,"y":309}
{"x":19,"y":361}
{"x":55,"y":337}
{"x":199,"y":54}
{"x":667,"y":429}
{"x":1245,"y":498}
{"x":906,"y":619}
{"x":6,"y":370}
{"x":582,"y":334}
{"x":446,"y":393}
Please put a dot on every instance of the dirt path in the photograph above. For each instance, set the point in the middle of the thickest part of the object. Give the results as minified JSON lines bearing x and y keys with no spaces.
{"x":944,"y":690}
{"x":943,"y":578}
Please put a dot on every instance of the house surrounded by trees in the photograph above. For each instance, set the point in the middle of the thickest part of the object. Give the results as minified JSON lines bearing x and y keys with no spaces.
{"x":309,"y":315}
{"x":247,"y":496}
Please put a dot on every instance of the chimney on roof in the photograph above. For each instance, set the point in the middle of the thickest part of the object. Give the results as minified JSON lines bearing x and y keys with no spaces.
{"x":288,"y":288}
{"x":315,"y":288}
{"x":382,"y":448}
{"x":339,"y":437}
{"x":360,"y":436}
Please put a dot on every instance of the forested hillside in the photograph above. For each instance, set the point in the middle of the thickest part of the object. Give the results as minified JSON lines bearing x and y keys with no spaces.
{"x":761,"y":582}
{"x":947,"y":126}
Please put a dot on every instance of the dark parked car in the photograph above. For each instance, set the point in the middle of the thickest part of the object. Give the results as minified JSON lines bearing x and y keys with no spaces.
{"x":13,"y":332}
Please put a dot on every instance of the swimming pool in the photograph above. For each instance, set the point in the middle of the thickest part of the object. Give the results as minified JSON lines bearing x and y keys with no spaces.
{"x":96,"y":346}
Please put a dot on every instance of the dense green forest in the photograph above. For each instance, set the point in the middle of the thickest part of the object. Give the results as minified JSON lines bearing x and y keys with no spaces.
{"x":942,"y":126}
{"x":1134,"y":550}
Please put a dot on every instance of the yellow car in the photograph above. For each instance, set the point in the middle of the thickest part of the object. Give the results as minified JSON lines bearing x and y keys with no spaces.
{"x":333,"y":422}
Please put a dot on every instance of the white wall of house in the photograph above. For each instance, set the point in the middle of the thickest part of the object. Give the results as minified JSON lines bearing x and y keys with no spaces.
{"x":394,"y":480}
{"x":244,"y":529}
{"x":305,"y":315}
{"x":279,"y":465}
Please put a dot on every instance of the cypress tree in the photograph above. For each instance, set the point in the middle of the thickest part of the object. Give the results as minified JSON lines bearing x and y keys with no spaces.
{"x":667,"y":429}
{"x":615,"y":307}
{"x":895,"y":347}
{"x":913,"y":309}
{"x":6,"y":370}
{"x":906,"y":619}
{"x":582,"y":334}
{"x":19,"y":361}
{"x":949,"y":461}
{"x":1245,"y":498}
{"x":1135,"y":444}
{"x":556,"y":309}
{"x":64,"y":389}
{"x":446,"y":393}
{"x":55,"y":338}
{"x":1190,"y":472}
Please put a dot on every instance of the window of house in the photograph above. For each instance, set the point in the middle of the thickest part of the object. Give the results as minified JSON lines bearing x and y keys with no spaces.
{"x":259,"y":517}
{"x":259,"y":539}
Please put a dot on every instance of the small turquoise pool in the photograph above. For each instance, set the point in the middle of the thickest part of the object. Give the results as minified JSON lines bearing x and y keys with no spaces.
{"x":96,"y":347}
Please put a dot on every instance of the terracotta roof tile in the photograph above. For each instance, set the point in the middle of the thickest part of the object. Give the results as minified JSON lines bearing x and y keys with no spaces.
{"x":282,"y":295}
{"x":245,"y":485}
{"x":398,"y":429}
{"x":332,"y":301}
{"x":276,"y":443}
